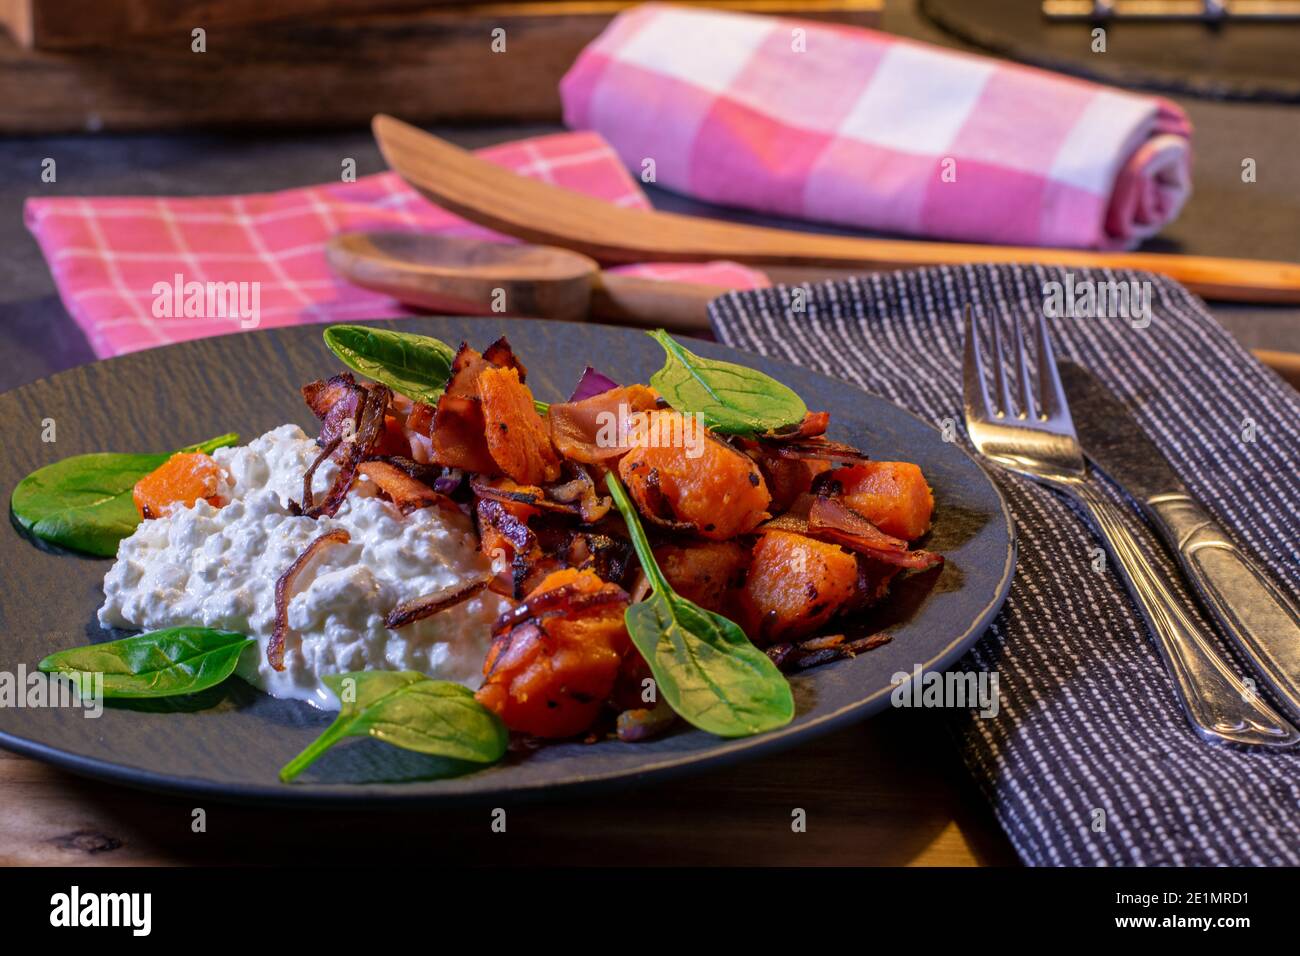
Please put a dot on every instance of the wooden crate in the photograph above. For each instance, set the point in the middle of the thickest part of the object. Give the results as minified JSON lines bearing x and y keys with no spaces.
{"x":435,"y":64}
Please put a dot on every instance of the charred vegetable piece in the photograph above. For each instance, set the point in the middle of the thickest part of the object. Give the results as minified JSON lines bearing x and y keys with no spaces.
{"x":683,"y":478}
{"x":503,"y":527}
{"x":554,"y":662}
{"x":589,"y":430}
{"x":788,"y":478}
{"x":409,"y":494}
{"x":830,"y":519}
{"x":706,"y":572}
{"x":337,"y":402}
{"x":892,"y":495}
{"x":517,"y":437}
{"x":182,"y":479}
{"x":796,"y":584}
{"x":351,"y":451}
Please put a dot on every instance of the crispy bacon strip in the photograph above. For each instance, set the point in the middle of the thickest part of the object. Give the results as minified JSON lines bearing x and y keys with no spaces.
{"x":500,"y":353}
{"x":283,"y":584}
{"x":588,"y":430}
{"x":409,"y":494}
{"x":417,"y":609}
{"x":369,"y":430}
{"x":458,"y":435}
{"x":420,"y":418}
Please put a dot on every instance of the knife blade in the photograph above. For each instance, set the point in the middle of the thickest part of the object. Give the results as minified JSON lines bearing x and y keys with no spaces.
{"x":1252,"y":608}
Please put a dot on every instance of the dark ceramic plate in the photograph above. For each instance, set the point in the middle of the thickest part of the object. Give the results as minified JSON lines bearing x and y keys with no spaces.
{"x":231,"y":742}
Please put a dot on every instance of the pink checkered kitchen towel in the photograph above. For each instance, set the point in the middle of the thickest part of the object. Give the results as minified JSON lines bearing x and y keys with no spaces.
{"x":851,"y":126}
{"x":110,"y":255}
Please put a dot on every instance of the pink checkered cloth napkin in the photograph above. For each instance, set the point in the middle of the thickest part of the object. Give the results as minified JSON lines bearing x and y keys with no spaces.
{"x":109,"y":255}
{"x":851,"y":126}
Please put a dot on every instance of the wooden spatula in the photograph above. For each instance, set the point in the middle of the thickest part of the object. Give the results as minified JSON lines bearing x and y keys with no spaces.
{"x":512,"y":204}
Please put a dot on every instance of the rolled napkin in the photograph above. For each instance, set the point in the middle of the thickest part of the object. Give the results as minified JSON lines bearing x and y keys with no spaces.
{"x":1088,"y":760}
{"x":854,"y":127}
{"x":116,"y":259}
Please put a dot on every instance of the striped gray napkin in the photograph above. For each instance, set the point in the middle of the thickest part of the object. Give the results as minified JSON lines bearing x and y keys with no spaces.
{"x":1089,"y":760}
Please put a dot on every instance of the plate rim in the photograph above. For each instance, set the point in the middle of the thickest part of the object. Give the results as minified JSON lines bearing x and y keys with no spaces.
{"x":729,"y":751}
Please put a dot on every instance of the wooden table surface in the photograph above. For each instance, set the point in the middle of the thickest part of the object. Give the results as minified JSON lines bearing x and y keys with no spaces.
{"x":890,"y":791}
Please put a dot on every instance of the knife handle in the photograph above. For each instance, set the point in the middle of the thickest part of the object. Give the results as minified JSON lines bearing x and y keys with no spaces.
{"x":1219,"y":705}
{"x":1257,"y":615}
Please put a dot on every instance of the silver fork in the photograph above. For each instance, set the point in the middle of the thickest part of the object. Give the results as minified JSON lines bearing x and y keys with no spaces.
{"x":1038,"y":441}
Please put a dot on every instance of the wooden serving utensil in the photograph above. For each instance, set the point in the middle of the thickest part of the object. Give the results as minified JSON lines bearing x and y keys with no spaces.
{"x":470,"y":276}
{"x":538,"y":212}
{"x":473,"y":277}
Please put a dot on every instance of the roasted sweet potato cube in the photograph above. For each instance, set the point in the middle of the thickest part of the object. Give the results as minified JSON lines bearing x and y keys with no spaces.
{"x":892,"y":495}
{"x":679,"y":475}
{"x":549,"y":676}
{"x":517,"y":437}
{"x":706,"y":572}
{"x":182,"y":479}
{"x":795,"y":585}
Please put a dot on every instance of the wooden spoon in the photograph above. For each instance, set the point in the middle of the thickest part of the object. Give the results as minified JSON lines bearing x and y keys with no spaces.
{"x":469,"y":276}
{"x":487,"y":194}
{"x":463,"y":276}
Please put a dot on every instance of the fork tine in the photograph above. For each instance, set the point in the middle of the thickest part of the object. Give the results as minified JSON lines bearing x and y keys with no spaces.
{"x":1055,"y":407}
{"x":974,"y":386}
{"x":1022,"y":373}
{"x":1000,"y":381}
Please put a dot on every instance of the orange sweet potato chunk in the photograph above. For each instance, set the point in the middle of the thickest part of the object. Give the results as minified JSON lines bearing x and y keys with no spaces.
{"x":719,"y":492}
{"x":795,"y":585}
{"x":182,"y":479}
{"x":892,"y":495}
{"x":551,"y":677}
{"x":706,"y":572}
{"x":517,"y":437}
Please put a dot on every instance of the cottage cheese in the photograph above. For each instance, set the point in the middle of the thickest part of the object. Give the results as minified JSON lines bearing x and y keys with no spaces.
{"x":217,"y":567}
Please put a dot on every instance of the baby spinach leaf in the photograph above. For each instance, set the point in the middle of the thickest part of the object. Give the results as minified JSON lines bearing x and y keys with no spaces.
{"x":732,"y":399}
{"x":408,"y":710}
{"x":417,"y":366}
{"x":705,"y":667}
{"x":84,"y":502}
{"x":166,"y":663}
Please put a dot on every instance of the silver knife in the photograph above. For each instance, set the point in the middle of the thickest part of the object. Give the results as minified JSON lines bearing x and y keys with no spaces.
{"x":1254,"y":611}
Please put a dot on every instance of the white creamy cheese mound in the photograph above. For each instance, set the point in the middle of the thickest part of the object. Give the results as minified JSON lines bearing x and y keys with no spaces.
{"x":217,"y":567}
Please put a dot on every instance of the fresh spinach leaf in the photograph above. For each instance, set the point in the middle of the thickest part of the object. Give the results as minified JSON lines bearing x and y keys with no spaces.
{"x":705,"y":667}
{"x":166,"y":663}
{"x":732,"y":399}
{"x":84,"y":502}
{"x":417,"y":366}
{"x":408,"y":710}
